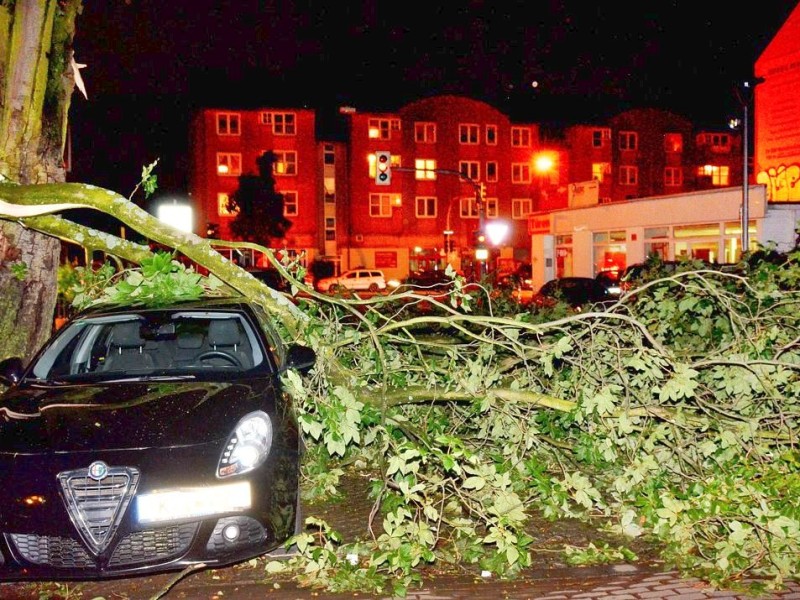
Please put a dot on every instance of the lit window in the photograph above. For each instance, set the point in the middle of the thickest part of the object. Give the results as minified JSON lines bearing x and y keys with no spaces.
{"x":380,"y":129}
{"x":222,"y":206}
{"x":521,"y":137}
{"x":719,"y":175}
{"x":520,"y":173}
{"x":628,"y":175}
{"x":468,"y":133}
{"x":285,"y":162}
{"x":229,"y":164}
{"x":627,"y":140}
{"x":380,"y":205}
{"x":425,"y":133}
{"x":425,"y":168}
{"x":600,"y":170}
{"x":673,"y":143}
{"x":426,"y":207}
{"x":291,"y":205}
{"x":227,"y":123}
{"x":521,"y":208}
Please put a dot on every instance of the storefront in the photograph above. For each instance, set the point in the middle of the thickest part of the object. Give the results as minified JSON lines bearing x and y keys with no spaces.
{"x":607,"y":237}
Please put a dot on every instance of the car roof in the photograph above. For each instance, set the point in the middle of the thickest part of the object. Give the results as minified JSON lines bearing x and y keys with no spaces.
{"x":205,"y":303}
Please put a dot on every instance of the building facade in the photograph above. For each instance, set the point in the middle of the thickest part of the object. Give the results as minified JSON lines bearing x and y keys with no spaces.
{"x":458,"y":167}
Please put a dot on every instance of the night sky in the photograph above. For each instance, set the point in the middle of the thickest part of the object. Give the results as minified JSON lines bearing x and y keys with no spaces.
{"x":151,"y":62}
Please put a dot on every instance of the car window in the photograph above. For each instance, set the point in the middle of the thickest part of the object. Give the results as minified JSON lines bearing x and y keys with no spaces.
{"x":154,"y":343}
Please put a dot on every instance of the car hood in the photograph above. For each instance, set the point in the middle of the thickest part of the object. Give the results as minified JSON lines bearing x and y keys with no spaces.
{"x":124,"y":416}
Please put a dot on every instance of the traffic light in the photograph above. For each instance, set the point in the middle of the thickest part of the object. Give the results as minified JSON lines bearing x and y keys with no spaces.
{"x":383,"y":167}
{"x":479,"y":238}
{"x":483,"y":191}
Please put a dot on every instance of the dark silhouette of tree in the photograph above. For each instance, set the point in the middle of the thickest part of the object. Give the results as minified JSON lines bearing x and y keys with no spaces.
{"x":258,"y":205}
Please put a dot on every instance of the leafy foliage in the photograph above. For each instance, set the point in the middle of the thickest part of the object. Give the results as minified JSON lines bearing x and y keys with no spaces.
{"x":160,"y":280}
{"x":671,"y":416}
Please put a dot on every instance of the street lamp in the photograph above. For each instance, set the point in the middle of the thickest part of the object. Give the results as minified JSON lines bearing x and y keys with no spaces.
{"x":176,"y":215}
{"x":745,"y":97}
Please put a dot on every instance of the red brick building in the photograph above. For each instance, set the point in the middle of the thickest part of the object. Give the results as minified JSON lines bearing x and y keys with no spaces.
{"x":427,"y":214}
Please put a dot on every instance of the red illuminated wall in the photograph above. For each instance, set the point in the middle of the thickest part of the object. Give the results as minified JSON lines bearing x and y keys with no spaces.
{"x":777,"y":114}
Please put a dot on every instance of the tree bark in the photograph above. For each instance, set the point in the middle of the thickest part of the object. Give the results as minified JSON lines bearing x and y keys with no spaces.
{"x":37,"y":81}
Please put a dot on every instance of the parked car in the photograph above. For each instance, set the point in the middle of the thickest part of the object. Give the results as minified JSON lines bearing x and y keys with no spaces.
{"x":142,"y":440}
{"x":371,"y":280}
{"x":575,"y":291}
{"x":654,"y":268}
{"x":610,"y":279}
{"x":521,"y":278}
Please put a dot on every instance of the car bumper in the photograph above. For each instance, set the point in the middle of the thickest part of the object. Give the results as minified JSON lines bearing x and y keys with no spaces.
{"x":42,"y":538}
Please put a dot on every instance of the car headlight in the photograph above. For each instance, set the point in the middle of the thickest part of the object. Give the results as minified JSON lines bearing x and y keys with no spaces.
{"x":248,"y":446}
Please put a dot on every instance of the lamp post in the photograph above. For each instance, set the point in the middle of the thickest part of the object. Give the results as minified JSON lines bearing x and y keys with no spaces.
{"x":745,"y":97}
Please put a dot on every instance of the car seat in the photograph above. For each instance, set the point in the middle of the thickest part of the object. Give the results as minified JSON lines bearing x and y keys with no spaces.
{"x":126,"y":349}
{"x":225,"y":335}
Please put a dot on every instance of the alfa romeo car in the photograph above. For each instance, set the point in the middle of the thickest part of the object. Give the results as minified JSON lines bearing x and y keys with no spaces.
{"x":142,"y":440}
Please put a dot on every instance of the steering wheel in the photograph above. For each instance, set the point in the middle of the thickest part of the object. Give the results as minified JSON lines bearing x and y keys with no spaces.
{"x":233,"y":360}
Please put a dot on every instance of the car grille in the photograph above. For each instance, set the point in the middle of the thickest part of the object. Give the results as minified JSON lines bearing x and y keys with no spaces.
{"x":137,"y":548}
{"x":50,"y":550}
{"x":96,"y":504}
{"x":156,"y":544}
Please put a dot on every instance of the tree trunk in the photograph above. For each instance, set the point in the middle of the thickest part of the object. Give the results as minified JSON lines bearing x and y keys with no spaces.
{"x":37,"y":82}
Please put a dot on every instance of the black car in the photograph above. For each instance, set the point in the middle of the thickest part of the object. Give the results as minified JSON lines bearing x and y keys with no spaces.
{"x":521,"y":278}
{"x":141,"y":440}
{"x":574,"y":291}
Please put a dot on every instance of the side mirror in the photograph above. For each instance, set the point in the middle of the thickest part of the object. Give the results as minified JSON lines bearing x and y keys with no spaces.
{"x":11,"y":370}
{"x":301,"y":358}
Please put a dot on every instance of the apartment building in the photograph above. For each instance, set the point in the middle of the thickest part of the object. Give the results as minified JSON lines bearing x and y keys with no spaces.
{"x":458,"y":165}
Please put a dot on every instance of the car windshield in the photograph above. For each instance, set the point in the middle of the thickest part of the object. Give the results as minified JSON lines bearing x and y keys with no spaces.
{"x":150,"y":344}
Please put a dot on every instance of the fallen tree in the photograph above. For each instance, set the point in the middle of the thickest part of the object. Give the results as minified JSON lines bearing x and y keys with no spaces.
{"x":671,"y":416}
